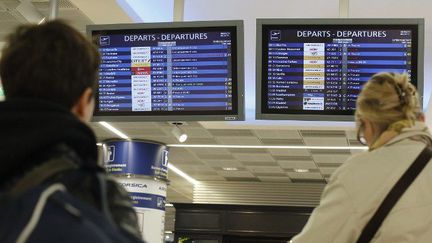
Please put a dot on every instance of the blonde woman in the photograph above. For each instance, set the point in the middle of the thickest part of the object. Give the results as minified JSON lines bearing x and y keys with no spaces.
{"x":390,"y":122}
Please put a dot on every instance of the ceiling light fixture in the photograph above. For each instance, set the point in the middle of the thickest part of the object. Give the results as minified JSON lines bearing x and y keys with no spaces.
{"x":230,"y":168}
{"x":179,"y":133}
{"x":182,"y":174}
{"x":169,"y":205}
{"x":114,"y":130}
{"x":301,"y":170}
{"x":267,"y":146}
{"x":30,"y":12}
{"x":42,"y":21}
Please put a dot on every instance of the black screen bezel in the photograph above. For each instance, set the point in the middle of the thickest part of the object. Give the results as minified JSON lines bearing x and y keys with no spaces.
{"x":264,"y":60}
{"x":234,"y":71}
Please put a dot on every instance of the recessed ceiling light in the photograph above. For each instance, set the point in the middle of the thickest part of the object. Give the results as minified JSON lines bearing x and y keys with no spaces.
{"x":301,"y":170}
{"x":230,"y":168}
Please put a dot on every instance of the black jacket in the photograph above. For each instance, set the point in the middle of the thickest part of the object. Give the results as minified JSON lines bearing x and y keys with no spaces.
{"x":34,"y":132}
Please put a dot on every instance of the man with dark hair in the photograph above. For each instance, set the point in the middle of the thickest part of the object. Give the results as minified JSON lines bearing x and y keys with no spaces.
{"x":49,"y":74}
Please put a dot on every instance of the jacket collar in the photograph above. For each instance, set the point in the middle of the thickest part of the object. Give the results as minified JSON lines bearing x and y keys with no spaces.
{"x":419,"y":129}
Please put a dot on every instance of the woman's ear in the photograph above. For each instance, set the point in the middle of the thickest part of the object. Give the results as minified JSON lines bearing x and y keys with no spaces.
{"x":84,"y":106}
{"x":369,"y":130}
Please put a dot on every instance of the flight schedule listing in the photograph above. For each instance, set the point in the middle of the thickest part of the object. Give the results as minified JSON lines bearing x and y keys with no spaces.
{"x":161,"y":72}
{"x":324,"y":70}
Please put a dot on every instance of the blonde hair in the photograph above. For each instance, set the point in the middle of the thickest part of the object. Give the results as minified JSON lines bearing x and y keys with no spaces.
{"x":387,"y":98}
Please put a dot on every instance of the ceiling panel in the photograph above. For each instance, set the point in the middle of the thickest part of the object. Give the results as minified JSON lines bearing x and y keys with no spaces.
{"x":132,"y":125}
{"x":181,"y":155}
{"x":231,"y":133}
{"x":265,"y":169}
{"x":297,"y":164}
{"x":249,"y":151}
{"x":215,"y":156}
{"x":248,"y":157}
{"x":192,"y":140}
{"x":230,"y":174}
{"x":239,"y":140}
{"x":329,"y":141}
{"x":223,"y":163}
{"x":272,"y":141}
{"x":208,"y":151}
{"x":197,"y":132}
{"x":188,"y":168}
{"x":289,"y":152}
{"x":307,"y":175}
{"x":260,"y":163}
{"x":209,"y":178}
{"x":329,"y":158}
{"x":277,"y":134}
{"x":274,"y":178}
{"x":327,"y":170}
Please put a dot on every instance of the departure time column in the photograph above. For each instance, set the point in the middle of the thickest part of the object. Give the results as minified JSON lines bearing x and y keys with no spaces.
{"x":159,"y":76}
{"x":333,"y":76}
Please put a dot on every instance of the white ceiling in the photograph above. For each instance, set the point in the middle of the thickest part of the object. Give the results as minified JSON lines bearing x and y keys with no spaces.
{"x":253,"y":165}
{"x":11,"y":18}
{"x":206,"y":164}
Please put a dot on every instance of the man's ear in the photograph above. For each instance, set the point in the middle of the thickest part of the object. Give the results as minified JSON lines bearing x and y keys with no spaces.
{"x":83,"y":107}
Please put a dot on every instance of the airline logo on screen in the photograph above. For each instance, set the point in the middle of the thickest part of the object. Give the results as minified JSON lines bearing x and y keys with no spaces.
{"x":275,"y":35}
{"x":104,"y":40}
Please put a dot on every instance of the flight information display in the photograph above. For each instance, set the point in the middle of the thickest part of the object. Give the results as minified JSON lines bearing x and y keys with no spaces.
{"x":167,"y":71}
{"x":320,"y":69}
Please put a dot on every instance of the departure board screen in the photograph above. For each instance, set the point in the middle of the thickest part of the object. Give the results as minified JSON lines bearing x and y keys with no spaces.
{"x":167,"y":71}
{"x":320,"y":69}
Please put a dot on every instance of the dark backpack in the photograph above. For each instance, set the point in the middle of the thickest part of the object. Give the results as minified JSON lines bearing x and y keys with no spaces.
{"x":48,"y":213}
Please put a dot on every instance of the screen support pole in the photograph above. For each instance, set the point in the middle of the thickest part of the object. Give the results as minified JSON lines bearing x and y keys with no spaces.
{"x":343,"y":8}
{"x":53,"y":9}
{"x":178,"y":10}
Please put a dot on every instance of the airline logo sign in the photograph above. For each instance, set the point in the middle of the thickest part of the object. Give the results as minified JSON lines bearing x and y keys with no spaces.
{"x":104,"y":41}
{"x":275,"y":35}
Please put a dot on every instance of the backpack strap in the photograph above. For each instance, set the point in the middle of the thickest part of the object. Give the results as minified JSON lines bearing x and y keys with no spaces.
{"x":39,"y":174}
{"x":37,"y":211}
{"x":394,"y":195}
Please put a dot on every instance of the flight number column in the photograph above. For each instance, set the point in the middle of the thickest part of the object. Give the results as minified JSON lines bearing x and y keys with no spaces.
{"x":314,"y":74}
{"x":159,"y":77}
{"x":141,"y":78}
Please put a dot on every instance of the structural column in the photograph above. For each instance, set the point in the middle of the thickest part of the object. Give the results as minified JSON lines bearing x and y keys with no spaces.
{"x":141,"y":167}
